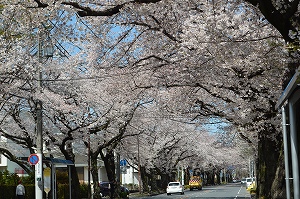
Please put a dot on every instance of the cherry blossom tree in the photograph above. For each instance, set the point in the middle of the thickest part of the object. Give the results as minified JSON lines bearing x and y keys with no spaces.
{"x":169,"y":141}
{"x":183,"y":47}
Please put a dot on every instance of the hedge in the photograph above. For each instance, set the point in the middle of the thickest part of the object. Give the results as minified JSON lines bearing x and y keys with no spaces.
{"x":9,"y":191}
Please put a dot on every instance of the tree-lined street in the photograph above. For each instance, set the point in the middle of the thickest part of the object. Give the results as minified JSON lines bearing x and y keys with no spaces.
{"x":171,"y":86}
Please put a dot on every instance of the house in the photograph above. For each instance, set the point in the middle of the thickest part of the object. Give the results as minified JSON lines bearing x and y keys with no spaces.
{"x":128,"y":175}
{"x":10,"y":166}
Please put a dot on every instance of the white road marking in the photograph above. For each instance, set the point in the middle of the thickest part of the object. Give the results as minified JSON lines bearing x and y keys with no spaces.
{"x":238,"y":192}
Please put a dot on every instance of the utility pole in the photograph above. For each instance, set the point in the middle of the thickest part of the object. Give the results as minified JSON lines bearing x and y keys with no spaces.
{"x":46,"y":51}
{"x":39,"y":129}
{"x":39,"y":186}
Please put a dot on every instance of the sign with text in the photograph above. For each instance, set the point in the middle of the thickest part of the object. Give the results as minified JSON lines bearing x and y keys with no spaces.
{"x":47,"y":180}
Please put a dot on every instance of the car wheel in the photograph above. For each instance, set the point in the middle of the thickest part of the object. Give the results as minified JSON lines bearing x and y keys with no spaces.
{"x":182,"y":193}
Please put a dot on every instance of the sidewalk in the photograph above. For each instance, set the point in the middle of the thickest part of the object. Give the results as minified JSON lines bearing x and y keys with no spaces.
{"x":138,"y":195}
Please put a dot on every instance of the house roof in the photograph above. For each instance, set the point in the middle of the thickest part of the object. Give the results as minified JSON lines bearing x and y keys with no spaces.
{"x":59,"y":161}
{"x":293,"y":84}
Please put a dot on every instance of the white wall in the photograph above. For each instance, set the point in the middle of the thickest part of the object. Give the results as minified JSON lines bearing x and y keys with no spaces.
{"x":3,"y":161}
{"x":131,"y":176}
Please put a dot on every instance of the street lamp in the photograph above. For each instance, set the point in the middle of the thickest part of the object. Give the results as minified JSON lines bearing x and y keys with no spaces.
{"x":48,"y":49}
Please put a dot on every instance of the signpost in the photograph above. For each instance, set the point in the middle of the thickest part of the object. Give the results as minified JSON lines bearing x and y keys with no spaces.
{"x":36,"y":160}
{"x":39,"y":149}
{"x":39,"y":169}
{"x":123,"y":166}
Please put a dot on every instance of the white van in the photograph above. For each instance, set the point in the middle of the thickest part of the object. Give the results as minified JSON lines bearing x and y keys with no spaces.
{"x":249,"y":181}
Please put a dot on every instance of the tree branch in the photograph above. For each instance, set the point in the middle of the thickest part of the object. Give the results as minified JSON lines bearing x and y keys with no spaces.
{"x":13,"y":158}
{"x":87,"y":11}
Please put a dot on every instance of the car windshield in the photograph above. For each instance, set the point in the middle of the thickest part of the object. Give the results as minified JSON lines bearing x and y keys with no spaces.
{"x":104,"y":184}
{"x":174,"y":184}
{"x":249,"y":180}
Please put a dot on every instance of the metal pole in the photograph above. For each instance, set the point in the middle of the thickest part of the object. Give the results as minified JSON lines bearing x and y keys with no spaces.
{"x":39,"y":144}
{"x":250,"y":168}
{"x":39,"y":128}
{"x":294,"y":149}
{"x":178,"y":173}
{"x":286,"y":154}
{"x":70,"y":181}
{"x":139,"y":165}
{"x":53,"y":181}
{"x":182,"y":176}
{"x":118,"y":173}
{"x":132,"y":173}
{"x":89,"y":167}
{"x":225,"y":175}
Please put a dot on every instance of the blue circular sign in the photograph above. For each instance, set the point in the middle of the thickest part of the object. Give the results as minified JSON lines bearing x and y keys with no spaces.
{"x":123,"y":162}
{"x":33,"y":159}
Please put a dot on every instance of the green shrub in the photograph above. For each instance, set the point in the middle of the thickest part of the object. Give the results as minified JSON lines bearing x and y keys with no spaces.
{"x":7,"y":178}
{"x":7,"y":191}
{"x":9,"y":182}
{"x":83,"y":191}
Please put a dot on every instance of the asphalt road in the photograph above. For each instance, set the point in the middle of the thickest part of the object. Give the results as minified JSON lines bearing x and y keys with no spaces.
{"x":229,"y":191}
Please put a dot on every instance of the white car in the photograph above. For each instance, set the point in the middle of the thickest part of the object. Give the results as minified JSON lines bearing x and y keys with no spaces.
{"x":175,"y":187}
{"x":249,"y":181}
{"x":243,"y":181}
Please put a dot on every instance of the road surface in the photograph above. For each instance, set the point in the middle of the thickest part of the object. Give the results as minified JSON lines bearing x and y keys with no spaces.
{"x":229,"y":191}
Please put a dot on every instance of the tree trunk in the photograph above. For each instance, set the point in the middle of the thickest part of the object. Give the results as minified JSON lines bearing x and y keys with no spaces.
{"x":75,"y":185}
{"x":109,"y":163}
{"x":153,"y":181}
{"x":94,"y":171}
{"x":211,"y":178}
{"x":278,"y":189}
{"x":218,"y":177}
{"x":145,"y":179}
{"x":268,"y":162}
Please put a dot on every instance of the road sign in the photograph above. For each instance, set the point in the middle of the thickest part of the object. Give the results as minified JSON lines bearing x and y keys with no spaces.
{"x":123,"y":162}
{"x":33,"y":159}
{"x":47,"y":180}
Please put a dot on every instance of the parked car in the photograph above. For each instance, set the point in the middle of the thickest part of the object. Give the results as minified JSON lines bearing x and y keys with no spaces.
{"x":243,"y":181}
{"x":124,"y":192}
{"x":105,"y":190}
{"x":175,"y":187}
